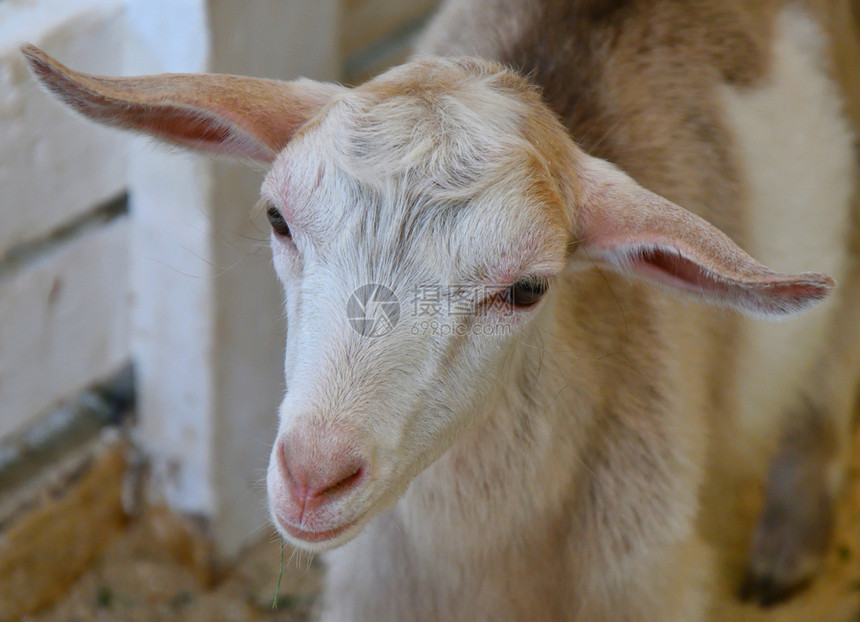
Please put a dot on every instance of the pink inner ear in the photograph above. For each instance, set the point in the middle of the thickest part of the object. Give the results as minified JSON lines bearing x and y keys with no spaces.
{"x":745,"y":285}
{"x":182,"y":126}
{"x":771,"y":293}
{"x":640,"y":233}
{"x":198,"y":130}
{"x":671,"y":268}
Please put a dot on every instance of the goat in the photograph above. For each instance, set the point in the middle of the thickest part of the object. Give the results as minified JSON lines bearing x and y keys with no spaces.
{"x":505,"y":401}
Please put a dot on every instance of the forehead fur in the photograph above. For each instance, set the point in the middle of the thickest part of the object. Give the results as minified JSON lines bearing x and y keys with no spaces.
{"x":448,"y":126}
{"x":437,"y":136}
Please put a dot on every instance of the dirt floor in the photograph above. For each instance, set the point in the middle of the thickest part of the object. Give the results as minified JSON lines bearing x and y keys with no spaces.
{"x":152,"y":573}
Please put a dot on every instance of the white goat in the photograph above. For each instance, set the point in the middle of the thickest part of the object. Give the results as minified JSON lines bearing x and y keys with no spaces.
{"x":524,"y":438}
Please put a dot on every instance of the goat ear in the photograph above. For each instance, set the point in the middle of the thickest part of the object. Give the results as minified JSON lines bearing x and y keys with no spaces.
{"x":637,"y":232}
{"x":231,"y":115}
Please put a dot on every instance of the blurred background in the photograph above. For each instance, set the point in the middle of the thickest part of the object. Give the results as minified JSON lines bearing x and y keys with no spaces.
{"x":141,"y":330}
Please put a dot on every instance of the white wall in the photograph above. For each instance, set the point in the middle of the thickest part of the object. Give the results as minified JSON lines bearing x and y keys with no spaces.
{"x":54,"y":170}
{"x":182,"y":285}
{"x":208,"y":339}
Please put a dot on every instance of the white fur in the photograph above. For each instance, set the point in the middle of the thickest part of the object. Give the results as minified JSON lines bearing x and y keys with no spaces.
{"x":796,"y":148}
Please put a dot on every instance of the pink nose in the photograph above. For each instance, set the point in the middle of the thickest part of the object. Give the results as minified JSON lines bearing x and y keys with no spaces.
{"x":317,"y":473}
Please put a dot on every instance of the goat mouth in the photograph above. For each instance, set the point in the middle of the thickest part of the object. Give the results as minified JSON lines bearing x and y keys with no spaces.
{"x":316,"y":536}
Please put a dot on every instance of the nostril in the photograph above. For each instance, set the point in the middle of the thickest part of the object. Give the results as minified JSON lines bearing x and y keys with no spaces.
{"x":314,"y":478}
{"x":347,"y":482}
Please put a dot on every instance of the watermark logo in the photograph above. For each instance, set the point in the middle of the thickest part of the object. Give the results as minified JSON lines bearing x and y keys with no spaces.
{"x":373,"y":310}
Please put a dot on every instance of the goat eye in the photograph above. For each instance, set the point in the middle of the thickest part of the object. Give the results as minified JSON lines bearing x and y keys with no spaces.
{"x":277,"y":221}
{"x":525,"y":293}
